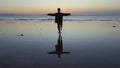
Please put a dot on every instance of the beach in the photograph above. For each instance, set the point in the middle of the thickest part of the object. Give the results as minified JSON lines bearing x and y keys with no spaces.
{"x":92,"y":42}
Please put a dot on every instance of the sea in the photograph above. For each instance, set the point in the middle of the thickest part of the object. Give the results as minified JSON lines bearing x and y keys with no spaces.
{"x":33,"y":41}
{"x":39,"y":18}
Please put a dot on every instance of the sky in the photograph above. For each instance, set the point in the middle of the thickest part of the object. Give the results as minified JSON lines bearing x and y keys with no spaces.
{"x":78,"y":7}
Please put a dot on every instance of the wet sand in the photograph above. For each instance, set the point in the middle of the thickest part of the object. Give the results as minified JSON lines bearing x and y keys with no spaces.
{"x":91,"y":44}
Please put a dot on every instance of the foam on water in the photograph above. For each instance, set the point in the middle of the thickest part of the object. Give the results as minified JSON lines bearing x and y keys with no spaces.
{"x":49,"y":18}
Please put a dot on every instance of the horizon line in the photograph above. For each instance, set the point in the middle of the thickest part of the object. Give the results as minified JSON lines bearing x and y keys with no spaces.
{"x":71,"y":14}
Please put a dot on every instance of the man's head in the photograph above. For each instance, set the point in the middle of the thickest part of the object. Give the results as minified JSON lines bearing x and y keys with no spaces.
{"x":58,"y":10}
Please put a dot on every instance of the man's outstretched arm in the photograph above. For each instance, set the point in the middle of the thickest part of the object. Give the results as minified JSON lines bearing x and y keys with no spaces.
{"x":66,"y":14}
{"x":51,"y":14}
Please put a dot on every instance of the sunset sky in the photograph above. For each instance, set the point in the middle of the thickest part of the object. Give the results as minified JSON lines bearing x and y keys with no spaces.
{"x":72,"y":6}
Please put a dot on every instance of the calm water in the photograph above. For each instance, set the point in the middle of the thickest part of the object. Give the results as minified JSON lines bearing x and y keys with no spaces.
{"x":85,"y":42}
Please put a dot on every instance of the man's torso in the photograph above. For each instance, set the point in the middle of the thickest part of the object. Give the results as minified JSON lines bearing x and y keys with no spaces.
{"x":59,"y":18}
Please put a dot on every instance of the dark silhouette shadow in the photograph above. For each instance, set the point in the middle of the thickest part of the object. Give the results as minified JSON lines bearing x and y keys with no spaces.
{"x":59,"y":18}
{"x":59,"y":47}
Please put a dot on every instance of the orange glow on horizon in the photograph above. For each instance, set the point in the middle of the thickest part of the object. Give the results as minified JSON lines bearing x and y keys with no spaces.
{"x":43,"y":7}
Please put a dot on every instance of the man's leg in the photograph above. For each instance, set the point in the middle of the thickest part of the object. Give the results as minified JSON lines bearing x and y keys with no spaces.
{"x":58,"y":27}
{"x":61,"y":25}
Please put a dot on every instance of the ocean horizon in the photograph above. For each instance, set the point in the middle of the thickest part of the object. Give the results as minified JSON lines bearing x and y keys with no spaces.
{"x":24,"y":17}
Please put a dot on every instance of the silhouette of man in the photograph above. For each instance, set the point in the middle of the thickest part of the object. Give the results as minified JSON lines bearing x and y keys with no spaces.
{"x":59,"y":47}
{"x":59,"y":18}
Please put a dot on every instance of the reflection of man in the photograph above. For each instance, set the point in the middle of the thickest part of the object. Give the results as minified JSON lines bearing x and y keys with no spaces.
{"x":59,"y":47}
{"x":58,"y":18}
